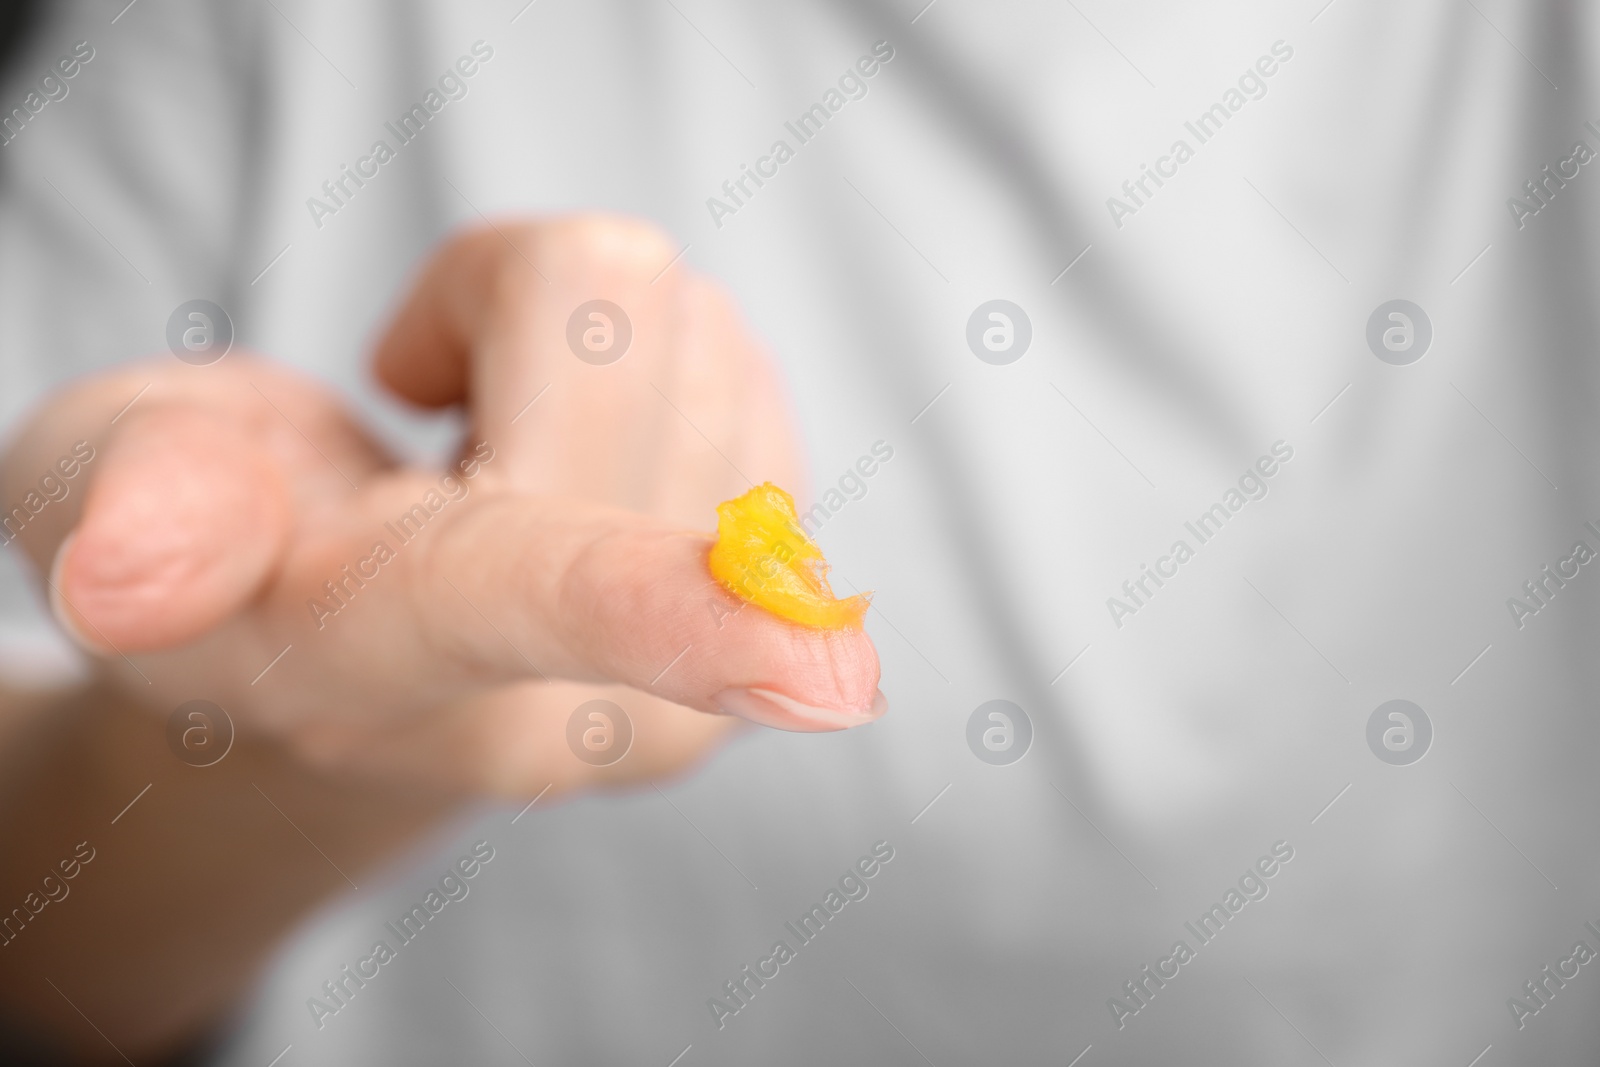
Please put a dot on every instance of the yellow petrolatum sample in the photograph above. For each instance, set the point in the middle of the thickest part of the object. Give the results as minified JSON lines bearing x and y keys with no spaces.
{"x":763,"y":556}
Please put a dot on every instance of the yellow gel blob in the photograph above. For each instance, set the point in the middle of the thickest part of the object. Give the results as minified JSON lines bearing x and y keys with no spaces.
{"x":763,"y":556}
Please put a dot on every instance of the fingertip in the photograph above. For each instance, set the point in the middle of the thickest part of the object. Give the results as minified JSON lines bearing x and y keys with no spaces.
{"x":423,"y":356}
{"x":768,"y":708}
{"x":643,"y":599}
{"x":66,"y":615}
{"x":832,"y":670}
{"x":180,"y":528}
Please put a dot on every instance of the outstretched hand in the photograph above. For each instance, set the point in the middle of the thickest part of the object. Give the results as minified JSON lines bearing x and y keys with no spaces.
{"x":443,"y":625}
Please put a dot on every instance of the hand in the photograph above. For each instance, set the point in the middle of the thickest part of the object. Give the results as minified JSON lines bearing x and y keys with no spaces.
{"x":558,"y":559}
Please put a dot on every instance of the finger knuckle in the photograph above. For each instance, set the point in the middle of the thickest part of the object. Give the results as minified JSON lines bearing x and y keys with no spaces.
{"x":609,"y":248}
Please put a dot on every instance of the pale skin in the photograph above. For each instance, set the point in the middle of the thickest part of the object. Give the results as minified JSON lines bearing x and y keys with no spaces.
{"x":217,"y":506}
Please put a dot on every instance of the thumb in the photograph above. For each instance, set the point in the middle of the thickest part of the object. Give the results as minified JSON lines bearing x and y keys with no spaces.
{"x":183,"y":522}
{"x":589,"y":593}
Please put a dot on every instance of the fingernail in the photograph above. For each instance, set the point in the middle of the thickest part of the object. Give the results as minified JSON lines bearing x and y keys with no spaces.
{"x":58,"y":605}
{"x":766,"y":708}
